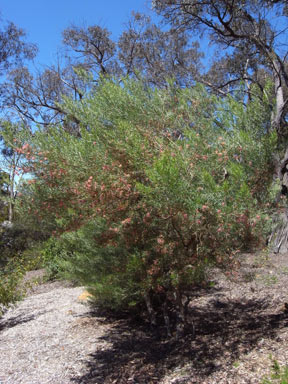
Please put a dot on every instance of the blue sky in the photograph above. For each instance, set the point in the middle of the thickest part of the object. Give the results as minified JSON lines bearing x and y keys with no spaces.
{"x":44,"y":21}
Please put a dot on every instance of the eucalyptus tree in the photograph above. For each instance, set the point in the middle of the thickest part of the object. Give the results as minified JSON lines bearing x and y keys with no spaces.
{"x":13,"y":47}
{"x":142,"y":50}
{"x":12,"y":163}
{"x":244,"y":28}
{"x":14,"y":51}
{"x":158,"y":54}
{"x":37,"y":97}
{"x":253,"y":40}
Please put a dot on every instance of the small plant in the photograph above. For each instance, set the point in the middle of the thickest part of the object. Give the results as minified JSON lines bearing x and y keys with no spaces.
{"x":10,"y":279}
{"x":269,"y":280}
{"x":236,"y":364}
{"x":278,"y":375}
{"x":12,"y":285}
{"x":249,"y":276}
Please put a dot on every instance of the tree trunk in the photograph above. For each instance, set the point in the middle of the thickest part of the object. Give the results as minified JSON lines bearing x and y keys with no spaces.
{"x":150,"y":309}
{"x":11,"y":198}
{"x":247,"y":85}
{"x":11,"y":211}
{"x":279,"y":236}
{"x":277,"y":114}
{"x":181,"y":315}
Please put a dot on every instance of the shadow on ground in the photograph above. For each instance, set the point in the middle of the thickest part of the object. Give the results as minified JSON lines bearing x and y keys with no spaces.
{"x":14,"y":321}
{"x":224,"y":331}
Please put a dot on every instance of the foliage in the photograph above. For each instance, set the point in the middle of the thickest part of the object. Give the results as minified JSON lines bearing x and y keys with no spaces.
{"x":9,"y":281}
{"x":13,"y":47}
{"x":158,"y":188}
{"x":4,"y":182}
{"x":11,"y":276}
{"x":247,"y":32}
{"x":278,"y":375}
{"x":15,"y":240}
{"x":11,"y":163}
{"x":14,"y":263}
{"x":52,"y":256}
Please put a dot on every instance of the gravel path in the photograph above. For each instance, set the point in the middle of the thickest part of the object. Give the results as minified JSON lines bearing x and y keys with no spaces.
{"x":52,"y":336}
{"x":45,"y":338}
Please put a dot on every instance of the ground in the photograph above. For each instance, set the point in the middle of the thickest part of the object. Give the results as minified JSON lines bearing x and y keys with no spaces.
{"x":241,"y":326}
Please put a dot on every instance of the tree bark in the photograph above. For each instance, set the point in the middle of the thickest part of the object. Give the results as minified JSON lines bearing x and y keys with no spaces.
{"x":278,"y":239}
{"x":12,"y":190}
{"x":150,"y":309}
{"x":277,"y":114}
{"x":279,"y":235}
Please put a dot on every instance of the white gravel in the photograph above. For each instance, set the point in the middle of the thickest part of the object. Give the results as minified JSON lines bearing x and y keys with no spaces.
{"x":46,"y":338}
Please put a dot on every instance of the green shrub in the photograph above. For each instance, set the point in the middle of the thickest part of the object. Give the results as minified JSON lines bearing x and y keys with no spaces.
{"x":12,"y":272}
{"x":10,"y":278}
{"x":18,"y":239}
{"x":52,"y":256}
{"x":162,"y":186}
{"x":113,"y":273}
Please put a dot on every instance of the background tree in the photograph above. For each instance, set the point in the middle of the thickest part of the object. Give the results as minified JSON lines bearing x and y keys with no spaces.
{"x":13,"y":51}
{"x":37,"y":98}
{"x":13,"y":48}
{"x":256,"y":52}
{"x":142,"y":49}
{"x":244,"y":30}
{"x":241,"y":27}
{"x":93,"y":47}
{"x":4,"y":183}
{"x":157,"y":54}
{"x":12,"y":161}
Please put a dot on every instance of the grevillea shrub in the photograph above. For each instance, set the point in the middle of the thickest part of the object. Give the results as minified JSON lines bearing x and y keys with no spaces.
{"x":159,"y":187}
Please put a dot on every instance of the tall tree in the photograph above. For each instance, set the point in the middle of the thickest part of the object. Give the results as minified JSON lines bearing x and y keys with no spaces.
{"x":158,"y":54}
{"x":255,"y":47}
{"x":143,"y":48}
{"x":37,"y":98}
{"x":12,"y":162}
{"x":93,"y":46}
{"x":242,"y":28}
{"x":13,"y":48}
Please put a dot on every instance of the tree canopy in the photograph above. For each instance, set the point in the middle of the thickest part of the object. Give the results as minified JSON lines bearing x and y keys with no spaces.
{"x":246,"y":30}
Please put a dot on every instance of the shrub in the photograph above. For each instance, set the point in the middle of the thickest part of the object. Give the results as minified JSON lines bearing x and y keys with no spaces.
{"x":161,"y":187}
{"x":10,"y":278}
{"x":18,"y":238}
{"x":52,"y":256}
{"x":19,"y":253}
